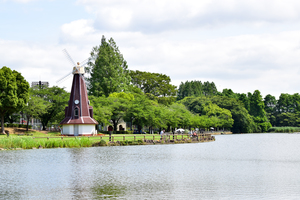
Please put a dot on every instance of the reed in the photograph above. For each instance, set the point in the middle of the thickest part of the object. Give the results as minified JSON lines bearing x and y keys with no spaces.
{"x":29,"y":143}
{"x":284,"y":129}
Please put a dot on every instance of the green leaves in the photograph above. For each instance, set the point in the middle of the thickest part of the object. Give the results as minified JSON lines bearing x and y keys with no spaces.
{"x":55,"y":100}
{"x":153,"y":83}
{"x":108,"y":72}
{"x":196,"y":89}
{"x":13,"y":92}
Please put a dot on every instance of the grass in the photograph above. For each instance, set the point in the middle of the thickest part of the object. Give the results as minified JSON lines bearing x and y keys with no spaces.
{"x":30,"y":142}
{"x":35,"y":139}
{"x":284,"y":129}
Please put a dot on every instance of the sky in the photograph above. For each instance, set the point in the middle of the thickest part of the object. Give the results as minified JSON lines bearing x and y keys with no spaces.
{"x":239,"y":45}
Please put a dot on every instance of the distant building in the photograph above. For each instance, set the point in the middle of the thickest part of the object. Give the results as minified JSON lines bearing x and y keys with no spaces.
{"x":40,"y":83}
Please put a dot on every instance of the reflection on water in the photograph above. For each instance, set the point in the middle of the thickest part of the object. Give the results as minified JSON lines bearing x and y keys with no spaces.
{"x":253,"y":166}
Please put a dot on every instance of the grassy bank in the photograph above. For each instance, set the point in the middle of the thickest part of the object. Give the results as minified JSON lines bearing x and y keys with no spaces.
{"x":31,"y":143}
{"x":284,"y":129}
{"x":53,"y":140}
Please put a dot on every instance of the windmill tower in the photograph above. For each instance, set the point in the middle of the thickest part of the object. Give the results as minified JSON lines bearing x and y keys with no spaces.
{"x":78,"y":114}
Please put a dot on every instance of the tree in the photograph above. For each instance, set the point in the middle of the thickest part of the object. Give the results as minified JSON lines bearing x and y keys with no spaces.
{"x":209,"y":89}
{"x":221,"y":116}
{"x":257,"y":110}
{"x":109,"y":72}
{"x":229,"y":93}
{"x":119,"y":103}
{"x":153,"y":83}
{"x":270,"y":108}
{"x":196,"y":89}
{"x":243,"y":122}
{"x":57,"y":99}
{"x":36,"y":106}
{"x":139,"y":111}
{"x":245,"y":100}
{"x":102,"y":112}
{"x":180,"y":116}
{"x":13,"y":92}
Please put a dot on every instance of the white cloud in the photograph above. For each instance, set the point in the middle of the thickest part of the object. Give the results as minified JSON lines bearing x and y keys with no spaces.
{"x":21,"y":1}
{"x":161,"y":15}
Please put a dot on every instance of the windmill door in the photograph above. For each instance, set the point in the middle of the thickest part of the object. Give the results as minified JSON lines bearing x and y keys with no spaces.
{"x":76,"y":130}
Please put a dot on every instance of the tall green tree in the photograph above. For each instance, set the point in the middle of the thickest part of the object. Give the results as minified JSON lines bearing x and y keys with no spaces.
{"x":257,"y":110}
{"x":245,"y":100}
{"x":13,"y":92}
{"x":108,"y":69}
{"x":57,"y":98}
{"x":35,"y":107}
{"x":270,"y":108}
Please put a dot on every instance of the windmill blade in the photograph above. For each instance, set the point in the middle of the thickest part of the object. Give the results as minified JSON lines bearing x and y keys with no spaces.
{"x":60,"y":80}
{"x":69,"y":57}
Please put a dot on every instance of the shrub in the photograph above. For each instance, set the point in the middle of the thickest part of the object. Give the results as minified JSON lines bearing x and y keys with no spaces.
{"x":124,"y":143}
{"x":102,"y":143}
{"x":140,"y":142}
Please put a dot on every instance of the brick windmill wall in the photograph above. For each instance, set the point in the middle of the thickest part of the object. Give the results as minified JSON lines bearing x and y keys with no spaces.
{"x":78,"y":114}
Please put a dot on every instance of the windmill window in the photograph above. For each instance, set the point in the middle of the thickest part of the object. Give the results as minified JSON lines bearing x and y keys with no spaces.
{"x":76,"y":112}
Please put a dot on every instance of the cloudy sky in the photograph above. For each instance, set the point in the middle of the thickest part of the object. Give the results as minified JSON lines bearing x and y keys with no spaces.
{"x":241,"y":45}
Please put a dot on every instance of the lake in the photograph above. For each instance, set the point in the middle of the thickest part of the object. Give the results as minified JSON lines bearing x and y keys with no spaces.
{"x":243,"y":166}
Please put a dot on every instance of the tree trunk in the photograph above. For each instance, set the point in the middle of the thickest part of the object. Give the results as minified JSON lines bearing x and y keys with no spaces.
{"x":115,"y":124}
{"x":2,"y":124}
{"x":28,"y":118}
{"x":131,"y":124}
{"x":168,"y":129}
{"x":44,"y":126}
{"x":139,"y":128}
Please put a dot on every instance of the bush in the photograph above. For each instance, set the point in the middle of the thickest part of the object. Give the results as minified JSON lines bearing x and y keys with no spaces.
{"x":140,"y":142}
{"x":124,"y":143}
{"x":102,"y":143}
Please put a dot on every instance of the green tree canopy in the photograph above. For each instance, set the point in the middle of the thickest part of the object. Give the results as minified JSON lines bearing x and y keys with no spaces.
{"x":270,"y":108}
{"x":35,"y":107}
{"x":257,"y":110}
{"x":13,"y":92}
{"x":108,"y":72}
{"x":196,"y":89}
{"x":57,"y":98}
{"x":101,"y":109}
{"x":243,"y":122}
{"x":153,"y":83}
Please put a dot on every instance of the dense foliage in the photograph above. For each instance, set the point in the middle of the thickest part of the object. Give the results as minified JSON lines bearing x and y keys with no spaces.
{"x":196,"y":89}
{"x":13,"y":92}
{"x":54,"y":100}
{"x":108,"y":70}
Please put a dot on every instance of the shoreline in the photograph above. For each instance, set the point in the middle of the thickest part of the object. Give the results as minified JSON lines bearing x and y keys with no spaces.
{"x":19,"y":143}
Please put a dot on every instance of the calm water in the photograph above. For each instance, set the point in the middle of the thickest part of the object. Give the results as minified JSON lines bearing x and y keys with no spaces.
{"x":252,"y":166}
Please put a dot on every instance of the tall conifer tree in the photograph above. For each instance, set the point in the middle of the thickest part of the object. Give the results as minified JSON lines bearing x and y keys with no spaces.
{"x":108,"y":72}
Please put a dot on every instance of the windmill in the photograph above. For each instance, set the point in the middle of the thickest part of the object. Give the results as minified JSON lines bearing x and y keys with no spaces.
{"x":78,"y":114}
